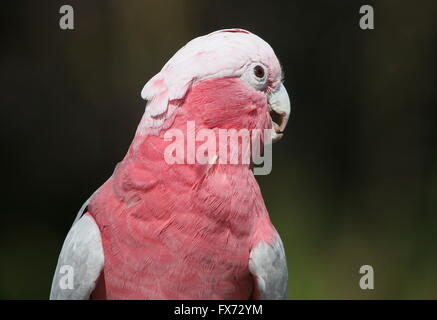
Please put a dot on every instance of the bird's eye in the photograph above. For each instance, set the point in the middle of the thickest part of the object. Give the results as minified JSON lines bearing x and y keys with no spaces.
{"x":256,"y":75}
{"x":258,"y":71}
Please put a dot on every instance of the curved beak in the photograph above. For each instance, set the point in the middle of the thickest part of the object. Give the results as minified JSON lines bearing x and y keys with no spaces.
{"x":279,"y":104}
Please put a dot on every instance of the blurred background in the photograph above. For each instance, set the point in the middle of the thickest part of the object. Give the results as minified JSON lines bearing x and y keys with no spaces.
{"x":354,"y":181}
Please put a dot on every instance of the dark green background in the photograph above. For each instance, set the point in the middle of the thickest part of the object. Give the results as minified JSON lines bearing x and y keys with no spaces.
{"x":354,"y":180}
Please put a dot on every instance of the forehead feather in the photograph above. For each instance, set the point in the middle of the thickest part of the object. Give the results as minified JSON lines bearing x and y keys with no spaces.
{"x":222,"y":53}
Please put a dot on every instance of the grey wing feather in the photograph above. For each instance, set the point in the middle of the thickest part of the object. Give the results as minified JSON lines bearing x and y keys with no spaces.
{"x":83,"y":208}
{"x":80,"y":262}
{"x":269,"y":267}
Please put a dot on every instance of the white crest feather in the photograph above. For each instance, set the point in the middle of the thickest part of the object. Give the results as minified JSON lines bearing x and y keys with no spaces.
{"x":224,"y":53}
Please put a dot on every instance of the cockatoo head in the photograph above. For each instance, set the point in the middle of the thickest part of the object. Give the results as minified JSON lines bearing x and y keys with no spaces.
{"x":229,"y":79}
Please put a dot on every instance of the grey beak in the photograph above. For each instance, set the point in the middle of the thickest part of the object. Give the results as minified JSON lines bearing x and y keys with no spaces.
{"x":279,"y":111}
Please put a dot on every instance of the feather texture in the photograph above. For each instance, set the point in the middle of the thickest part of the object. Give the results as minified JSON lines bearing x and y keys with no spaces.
{"x":188,"y":231}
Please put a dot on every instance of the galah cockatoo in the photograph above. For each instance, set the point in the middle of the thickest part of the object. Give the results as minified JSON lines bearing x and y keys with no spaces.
{"x":159,"y":230}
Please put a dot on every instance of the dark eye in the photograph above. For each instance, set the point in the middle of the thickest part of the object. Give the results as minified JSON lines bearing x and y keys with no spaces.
{"x":258,"y":71}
